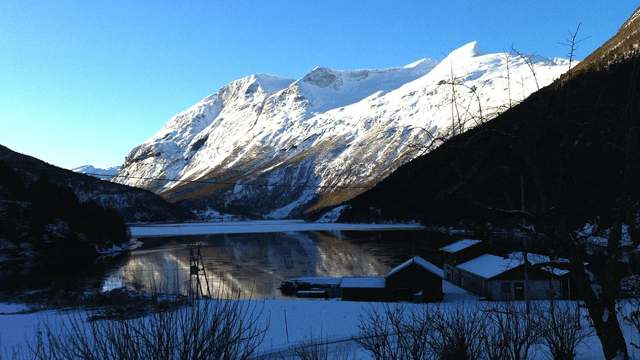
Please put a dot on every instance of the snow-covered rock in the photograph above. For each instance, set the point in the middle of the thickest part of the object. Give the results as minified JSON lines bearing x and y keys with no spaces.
{"x":280,"y":147}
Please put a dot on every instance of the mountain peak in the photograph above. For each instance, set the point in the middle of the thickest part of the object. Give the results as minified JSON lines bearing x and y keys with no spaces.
{"x":422,"y":64}
{"x":467,"y":51}
{"x":322,"y":77}
{"x":271,"y":83}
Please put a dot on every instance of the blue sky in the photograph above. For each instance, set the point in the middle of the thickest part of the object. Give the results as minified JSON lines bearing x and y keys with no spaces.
{"x":83,"y":82}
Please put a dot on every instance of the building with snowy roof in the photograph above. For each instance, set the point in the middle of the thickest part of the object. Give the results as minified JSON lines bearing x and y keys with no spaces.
{"x":462,"y":251}
{"x":415,"y":280}
{"x":415,"y":276}
{"x":503,"y":278}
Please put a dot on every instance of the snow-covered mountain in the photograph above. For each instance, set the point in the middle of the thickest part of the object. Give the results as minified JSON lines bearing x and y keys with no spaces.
{"x":281,"y":147}
{"x":100,"y":173}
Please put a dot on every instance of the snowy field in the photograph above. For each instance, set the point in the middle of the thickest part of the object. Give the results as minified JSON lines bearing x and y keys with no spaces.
{"x":247,"y":227}
{"x":293,"y":322}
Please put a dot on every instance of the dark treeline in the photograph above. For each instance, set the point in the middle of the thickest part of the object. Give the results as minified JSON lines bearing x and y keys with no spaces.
{"x":50,"y":217}
{"x":564,"y":148}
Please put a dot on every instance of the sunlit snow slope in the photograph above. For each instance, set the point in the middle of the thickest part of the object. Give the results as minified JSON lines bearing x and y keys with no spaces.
{"x":280,"y":147}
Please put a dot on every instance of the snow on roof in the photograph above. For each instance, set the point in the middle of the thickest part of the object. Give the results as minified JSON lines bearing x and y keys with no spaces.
{"x":460,"y":245}
{"x":314,"y":281}
{"x":534,"y":259}
{"x":488,"y":266}
{"x":420,"y":261}
{"x":429,"y":266}
{"x":363,"y":282}
{"x":555,"y":271}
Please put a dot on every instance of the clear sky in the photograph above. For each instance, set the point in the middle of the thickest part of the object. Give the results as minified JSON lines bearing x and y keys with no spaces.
{"x":83,"y":82}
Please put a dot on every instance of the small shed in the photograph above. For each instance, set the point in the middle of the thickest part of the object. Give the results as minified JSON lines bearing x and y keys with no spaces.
{"x":414,"y":280}
{"x":363,"y":289}
{"x":414,"y":276}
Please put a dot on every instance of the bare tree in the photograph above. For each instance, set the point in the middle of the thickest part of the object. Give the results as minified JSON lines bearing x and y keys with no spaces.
{"x":206,"y":329}
{"x":630,"y":311}
{"x":507,"y":57}
{"x":424,"y":332}
{"x":457,"y":333}
{"x":561,"y":331}
{"x":318,"y":349}
{"x":513,"y":330}
{"x":572,"y":43}
{"x":528,"y":60}
{"x":386,"y":333}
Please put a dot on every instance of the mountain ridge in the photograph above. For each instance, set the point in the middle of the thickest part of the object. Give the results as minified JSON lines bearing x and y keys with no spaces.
{"x":327,"y":136}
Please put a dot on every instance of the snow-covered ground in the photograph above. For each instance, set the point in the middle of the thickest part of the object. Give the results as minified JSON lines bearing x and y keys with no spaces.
{"x":247,"y":227}
{"x":294,"y":322}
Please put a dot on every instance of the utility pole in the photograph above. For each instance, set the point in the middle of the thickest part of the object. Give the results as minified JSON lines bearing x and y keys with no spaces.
{"x":524,"y":252}
{"x":196,"y":267}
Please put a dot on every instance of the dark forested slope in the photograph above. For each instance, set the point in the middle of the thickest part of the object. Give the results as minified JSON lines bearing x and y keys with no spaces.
{"x":46,"y":210}
{"x":573,"y":147}
{"x":132,"y":204}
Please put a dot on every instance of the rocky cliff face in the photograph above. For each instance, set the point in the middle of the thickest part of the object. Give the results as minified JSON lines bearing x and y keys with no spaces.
{"x":276,"y":147}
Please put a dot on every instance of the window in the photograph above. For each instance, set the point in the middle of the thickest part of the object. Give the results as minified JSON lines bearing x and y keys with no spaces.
{"x":505,"y":288}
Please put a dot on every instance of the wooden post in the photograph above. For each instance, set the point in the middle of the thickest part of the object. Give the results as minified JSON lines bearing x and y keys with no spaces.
{"x":286,"y":325}
{"x":524,"y":253}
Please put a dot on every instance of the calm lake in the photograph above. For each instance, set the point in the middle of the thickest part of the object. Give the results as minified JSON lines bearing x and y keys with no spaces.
{"x":254,"y":264}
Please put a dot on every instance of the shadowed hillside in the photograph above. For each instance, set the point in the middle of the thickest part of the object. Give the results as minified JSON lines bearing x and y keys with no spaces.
{"x":132,"y":204}
{"x":568,"y":144}
{"x":566,"y":151}
{"x":620,"y":47}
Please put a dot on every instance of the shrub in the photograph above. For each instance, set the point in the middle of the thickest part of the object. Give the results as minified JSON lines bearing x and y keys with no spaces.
{"x":561,"y":331}
{"x":205,"y":329}
{"x":424,"y":332}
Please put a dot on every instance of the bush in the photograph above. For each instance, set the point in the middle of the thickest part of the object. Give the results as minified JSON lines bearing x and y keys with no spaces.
{"x":424,"y":332}
{"x":561,"y":331}
{"x":512,"y":331}
{"x":494,"y":331}
{"x":320,"y":350}
{"x":205,"y":329}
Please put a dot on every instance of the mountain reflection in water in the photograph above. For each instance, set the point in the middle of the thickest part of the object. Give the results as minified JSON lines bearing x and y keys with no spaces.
{"x":254,"y":265}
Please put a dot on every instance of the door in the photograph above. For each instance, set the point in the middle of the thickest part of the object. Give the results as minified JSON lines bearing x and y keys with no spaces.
{"x":518,"y":291}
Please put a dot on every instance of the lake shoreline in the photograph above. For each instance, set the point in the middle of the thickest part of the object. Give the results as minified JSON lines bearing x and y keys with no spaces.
{"x":258,"y":226}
